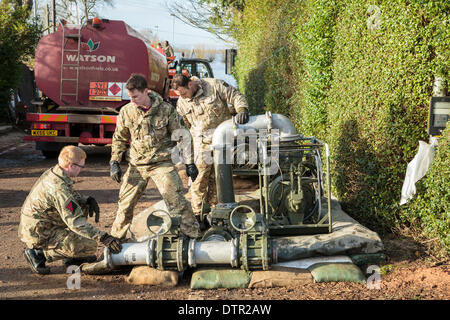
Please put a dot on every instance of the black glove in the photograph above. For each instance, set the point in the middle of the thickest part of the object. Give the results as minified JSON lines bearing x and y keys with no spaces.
{"x":115,"y":171}
{"x":192,"y":171}
{"x":242,"y":117}
{"x":93,"y":207}
{"x":111,"y":242}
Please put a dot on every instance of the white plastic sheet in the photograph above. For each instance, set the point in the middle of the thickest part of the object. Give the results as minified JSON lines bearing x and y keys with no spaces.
{"x":417,"y":168}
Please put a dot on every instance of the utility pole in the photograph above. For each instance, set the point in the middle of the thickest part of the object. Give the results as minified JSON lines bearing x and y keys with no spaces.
{"x":86,"y":11}
{"x":35,"y":8}
{"x":54,"y":14}
{"x":47,"y":18}
{"x":173,"y":29}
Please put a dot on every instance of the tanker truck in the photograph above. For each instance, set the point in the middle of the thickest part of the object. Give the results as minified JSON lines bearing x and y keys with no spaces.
{"x":81,"y":72}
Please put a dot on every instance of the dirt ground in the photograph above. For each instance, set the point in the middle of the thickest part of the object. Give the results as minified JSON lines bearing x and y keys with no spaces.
{"x":408,"y":274}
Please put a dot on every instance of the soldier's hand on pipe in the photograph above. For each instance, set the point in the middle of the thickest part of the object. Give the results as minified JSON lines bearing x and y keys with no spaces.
{"x":93,"y":207}
{"x":111,"y":242}
{"x":192,"y":171}
{"x":115,"y":171}
{"x":242,"y":117}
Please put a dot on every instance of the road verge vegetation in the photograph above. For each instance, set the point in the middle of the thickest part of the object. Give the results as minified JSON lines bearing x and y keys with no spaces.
{"x":358,"y":75}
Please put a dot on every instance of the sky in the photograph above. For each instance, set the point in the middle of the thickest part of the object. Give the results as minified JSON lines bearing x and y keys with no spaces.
{"x":154,"y":15}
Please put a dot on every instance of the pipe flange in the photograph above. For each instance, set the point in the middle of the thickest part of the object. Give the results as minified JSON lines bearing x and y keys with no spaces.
{"x":180,"y":243}
{"x":180,"y":252}
{"x":234,"y":253}
{"x":243,"y":222}
{"x":160,"y":219}
{"x":264,"y":253}
{"x":191,"y":253}
{"x":159,"y":253}
{"x":150,"y":260}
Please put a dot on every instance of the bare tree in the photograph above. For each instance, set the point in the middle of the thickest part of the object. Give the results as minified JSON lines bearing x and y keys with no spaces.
{"x":210,"y":16}
{"x":75,"y":11}
{"x":149,"y":35}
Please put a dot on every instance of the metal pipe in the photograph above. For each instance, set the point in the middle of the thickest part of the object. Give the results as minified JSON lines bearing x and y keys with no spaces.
{"x":136,"y":253}
{"x":212,"y":252}
{"x":230,"y":128}
{"x":199,"y":253}
{"x":222,"y":143}
{"x":224,"y":176}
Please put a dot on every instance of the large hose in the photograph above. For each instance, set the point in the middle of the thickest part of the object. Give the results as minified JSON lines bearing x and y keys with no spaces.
{"x":213,"y":252}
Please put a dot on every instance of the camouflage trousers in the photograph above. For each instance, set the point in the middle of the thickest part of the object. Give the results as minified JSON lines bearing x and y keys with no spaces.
{"x":203,"y":189}
{"x":63,"y":243}
{"x":169,"y":185}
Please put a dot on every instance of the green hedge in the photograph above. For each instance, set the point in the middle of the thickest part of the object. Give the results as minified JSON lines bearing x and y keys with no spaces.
{"x":264,"y":65}
{"x":378,"y":101}
{"x":356,"y":74}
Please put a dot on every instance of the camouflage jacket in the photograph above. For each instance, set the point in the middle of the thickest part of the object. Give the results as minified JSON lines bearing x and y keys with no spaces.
{"x":168,"y":51}
{"x":209,"y":107}
{"x":149,"y":133}
{"x":52,"y":204}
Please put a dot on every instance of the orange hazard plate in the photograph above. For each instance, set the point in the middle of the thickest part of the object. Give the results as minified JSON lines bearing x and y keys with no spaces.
{"x":51,"y":133}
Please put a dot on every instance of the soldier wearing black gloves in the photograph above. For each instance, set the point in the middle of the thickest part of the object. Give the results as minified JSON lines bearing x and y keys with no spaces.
{"x":204,"y":104}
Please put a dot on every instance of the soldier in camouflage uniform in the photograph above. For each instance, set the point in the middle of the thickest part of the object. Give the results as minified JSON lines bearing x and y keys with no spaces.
{"x":168,"y":50}
{"x":53,"y":220}
{"x":203,"y":104}
{"x":148,"y":122}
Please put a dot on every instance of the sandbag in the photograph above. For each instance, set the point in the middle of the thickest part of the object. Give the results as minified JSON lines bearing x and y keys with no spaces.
{"x":280,"y":277}
{"x":336,"y":272}
{"x":220,"y":278}
{"x":151,"y":276}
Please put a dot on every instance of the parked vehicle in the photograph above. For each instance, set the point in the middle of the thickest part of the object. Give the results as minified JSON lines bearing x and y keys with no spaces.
{"x":81,"y":71}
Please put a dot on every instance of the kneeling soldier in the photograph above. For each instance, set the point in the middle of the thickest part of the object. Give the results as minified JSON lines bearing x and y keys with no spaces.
{"x":53,"y":220}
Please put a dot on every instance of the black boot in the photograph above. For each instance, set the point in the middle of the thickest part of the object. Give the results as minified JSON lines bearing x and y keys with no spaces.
{"x":36,"y":259}
{"x":78,"y":261}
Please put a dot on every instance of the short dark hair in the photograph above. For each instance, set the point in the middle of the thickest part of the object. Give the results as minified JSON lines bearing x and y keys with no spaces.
{"x":136,"y":81}
{"x":180,"y":80}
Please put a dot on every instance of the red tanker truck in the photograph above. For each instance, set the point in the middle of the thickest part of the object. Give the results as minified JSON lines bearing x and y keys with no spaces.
{"x":81,"y":72}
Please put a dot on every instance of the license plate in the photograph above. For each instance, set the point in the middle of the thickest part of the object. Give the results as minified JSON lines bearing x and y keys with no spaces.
{"x":52,"y":133}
